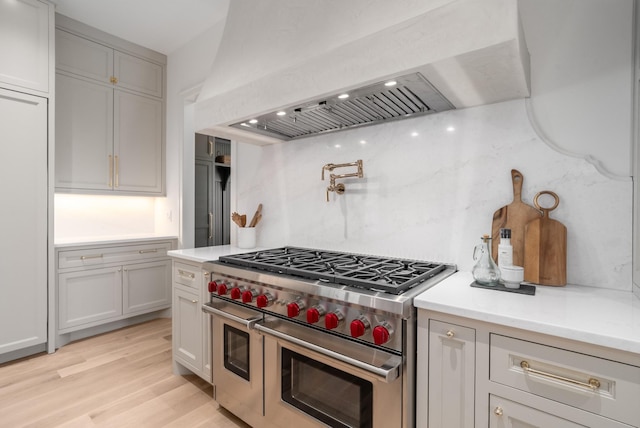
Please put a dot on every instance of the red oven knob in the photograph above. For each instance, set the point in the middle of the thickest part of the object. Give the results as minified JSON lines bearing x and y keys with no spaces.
{"x":359,"y":326}
{"x":293,"y":309}
{"x":222,"y":289}
{"x":236,"y":293}
{"x":264,"y":300}
{"x":212,"y":286}
{"x":314,"y":313}
{"x":333,"y":320}
{"x":380,"y":335}
{"x":247,"y":296}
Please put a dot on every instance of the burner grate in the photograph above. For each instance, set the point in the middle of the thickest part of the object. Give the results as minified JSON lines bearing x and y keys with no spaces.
{"x":393,"y":276}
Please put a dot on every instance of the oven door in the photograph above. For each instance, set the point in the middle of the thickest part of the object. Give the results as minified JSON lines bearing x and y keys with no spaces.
{"x":236,"y":368}
{"x":318,"y":379}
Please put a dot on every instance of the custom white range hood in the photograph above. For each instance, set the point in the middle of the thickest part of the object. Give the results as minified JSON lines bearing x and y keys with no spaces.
{"x":298,"y":57}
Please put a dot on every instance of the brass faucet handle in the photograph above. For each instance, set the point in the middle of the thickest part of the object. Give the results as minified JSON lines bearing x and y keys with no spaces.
{"x":328,"y":194}
{"x":329,"y":167}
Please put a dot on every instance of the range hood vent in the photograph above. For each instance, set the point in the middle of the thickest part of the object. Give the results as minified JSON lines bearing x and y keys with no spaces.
{"x":410,"y":95}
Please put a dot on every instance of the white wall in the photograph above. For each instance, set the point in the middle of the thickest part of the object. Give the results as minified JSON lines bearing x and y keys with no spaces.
{"x":432,"y":196}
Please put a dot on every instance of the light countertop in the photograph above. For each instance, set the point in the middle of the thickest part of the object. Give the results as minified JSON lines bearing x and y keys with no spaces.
{"x":598,"y":316}
{"x":106,"y":240}
{"x":206,"y":254}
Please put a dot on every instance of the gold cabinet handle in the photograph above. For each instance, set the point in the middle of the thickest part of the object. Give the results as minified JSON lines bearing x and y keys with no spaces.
{"x":210,"y":147}
{"x":155,"y":250}
{"x":498,"y":411}
{"x":110,"y":171}
{"x":210,"y":225}
{"x":194,"y":301}
{"x":93,"y":256}
{"x":187,"y":274}
{"x":450,"y":334}
{"x":592,"y":383}
{"x":117,"y":171}
{"x":113,"y":80}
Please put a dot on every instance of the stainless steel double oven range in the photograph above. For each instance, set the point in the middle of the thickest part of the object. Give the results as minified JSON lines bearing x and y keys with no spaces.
{"x":309,"y":338}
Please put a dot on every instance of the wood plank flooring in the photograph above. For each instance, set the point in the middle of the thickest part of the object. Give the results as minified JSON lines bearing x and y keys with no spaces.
{"x":119,"y":379}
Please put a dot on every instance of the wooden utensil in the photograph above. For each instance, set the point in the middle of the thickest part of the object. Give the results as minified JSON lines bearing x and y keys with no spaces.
{"x":256,"y":217}
{"x":513,"y":216}
{"x":237,"y":219}
{"x":545,"y":247}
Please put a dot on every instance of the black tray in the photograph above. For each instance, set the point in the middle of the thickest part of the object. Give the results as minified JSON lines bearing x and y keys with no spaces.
{"x":524,"y":288}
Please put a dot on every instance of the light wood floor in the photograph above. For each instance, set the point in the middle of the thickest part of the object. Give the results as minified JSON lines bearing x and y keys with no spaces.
{"x":118,"y":379}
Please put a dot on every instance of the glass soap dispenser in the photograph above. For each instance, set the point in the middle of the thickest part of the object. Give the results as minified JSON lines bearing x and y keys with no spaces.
{"x":485,"y":272}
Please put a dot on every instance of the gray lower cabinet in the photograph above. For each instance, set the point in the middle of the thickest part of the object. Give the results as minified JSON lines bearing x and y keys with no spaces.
{"x":476,"y":374}
{"x":99,"y":284}
{"x":191,"y":326}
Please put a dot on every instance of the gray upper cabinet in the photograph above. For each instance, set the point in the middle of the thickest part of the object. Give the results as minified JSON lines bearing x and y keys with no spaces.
{"x":24,"y":45}
{"x":110,"y":118}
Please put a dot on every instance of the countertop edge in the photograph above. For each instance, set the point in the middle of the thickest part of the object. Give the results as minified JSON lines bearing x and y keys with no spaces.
{"x":607,"y":318}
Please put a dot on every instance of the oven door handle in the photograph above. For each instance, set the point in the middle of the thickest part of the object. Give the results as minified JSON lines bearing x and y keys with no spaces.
{"x":389,"y":372}
{"x":248,"y":323}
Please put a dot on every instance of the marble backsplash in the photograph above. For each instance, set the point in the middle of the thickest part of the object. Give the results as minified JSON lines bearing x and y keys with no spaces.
{"x":430,"y":187}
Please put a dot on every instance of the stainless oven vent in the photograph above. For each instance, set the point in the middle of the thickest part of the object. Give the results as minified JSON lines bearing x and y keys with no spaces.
{"x":410,"y":95}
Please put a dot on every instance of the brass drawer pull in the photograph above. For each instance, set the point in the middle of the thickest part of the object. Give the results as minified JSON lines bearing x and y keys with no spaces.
{"x":155,"y":250}
{"x":592,"y":383}
{"x":95,"y":256}
{"x":450,"y":334}
{"x":187,"y":274}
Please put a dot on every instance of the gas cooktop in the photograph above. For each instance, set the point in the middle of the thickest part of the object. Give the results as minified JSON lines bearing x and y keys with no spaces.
{"x":389,"y":275}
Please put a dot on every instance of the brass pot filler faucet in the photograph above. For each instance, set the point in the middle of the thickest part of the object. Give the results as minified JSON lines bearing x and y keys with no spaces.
{"x":339,"y":187}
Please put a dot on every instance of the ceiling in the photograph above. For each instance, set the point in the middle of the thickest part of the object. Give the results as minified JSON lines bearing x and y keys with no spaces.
{"x":161,"y":25}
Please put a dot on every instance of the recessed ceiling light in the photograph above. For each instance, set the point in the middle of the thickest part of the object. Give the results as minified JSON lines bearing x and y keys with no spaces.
{"x":451,"y":128}
{"x":253,"y":121}
{"x":391,"y":83}
{"x":281,"y":113}
{"x":244,"y":124}
{"x":343,"y":96}
{"x":337,"y":146}
{"x":414,"y":134}
{"x":363,"y":142}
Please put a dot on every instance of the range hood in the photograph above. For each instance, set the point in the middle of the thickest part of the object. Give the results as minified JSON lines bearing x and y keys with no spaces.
{"x":392,"y":99}
{"x":282,"y":65}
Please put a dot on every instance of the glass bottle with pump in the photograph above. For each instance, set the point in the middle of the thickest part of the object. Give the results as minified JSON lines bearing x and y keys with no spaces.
{"x":485,"y":272}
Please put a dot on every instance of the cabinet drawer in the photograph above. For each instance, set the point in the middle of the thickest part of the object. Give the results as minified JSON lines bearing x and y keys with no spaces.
{"x":593,"y":384}
{"x":103,"y":255}
{"x":186,"y":275}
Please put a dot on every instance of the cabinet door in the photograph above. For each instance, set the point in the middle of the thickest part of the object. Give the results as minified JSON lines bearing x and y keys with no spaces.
{"x":88,"y":296}
{"x":187,"y":329}
{"x":84,"y":134}
{"x":146,"y":286}
{"x":23,"y":255}
{"x":508,"y":414}
{"x":83,"y":57}
{"x":24,"y":44}
{"x":137,"y":143}
{"x":451,"y":375}
{"x":137,"y":74}
{"x":204,"y":193}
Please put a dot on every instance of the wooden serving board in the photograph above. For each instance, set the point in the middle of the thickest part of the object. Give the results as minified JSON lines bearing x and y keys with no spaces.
{"x":545,"y":251}
{"x":513,"y":216}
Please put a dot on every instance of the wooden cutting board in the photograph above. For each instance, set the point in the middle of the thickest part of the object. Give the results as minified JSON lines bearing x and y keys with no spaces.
{"x":513,"y":216}
{"x":545,"y":250}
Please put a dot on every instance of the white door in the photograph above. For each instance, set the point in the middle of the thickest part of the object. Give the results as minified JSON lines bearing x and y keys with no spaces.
{"x":23,"y":229}
{"x":137,"y":143}
{"x":84,"y":134}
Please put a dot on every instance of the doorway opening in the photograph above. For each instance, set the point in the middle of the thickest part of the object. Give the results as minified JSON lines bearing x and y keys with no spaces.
{"x":212,"y":191}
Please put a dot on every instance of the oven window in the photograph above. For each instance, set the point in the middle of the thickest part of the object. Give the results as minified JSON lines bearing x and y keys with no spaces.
{"x":330,"y":395}
{"x":236,"y":351}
